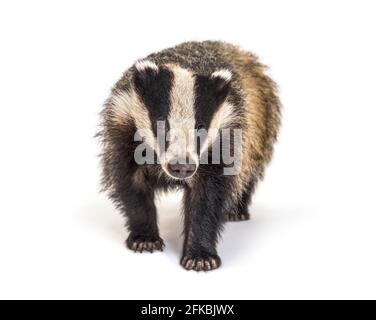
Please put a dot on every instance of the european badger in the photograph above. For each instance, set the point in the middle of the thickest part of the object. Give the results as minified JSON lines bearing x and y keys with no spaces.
{"x":194,"y":87}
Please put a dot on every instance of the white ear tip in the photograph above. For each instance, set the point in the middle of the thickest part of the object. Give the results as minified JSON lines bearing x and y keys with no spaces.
{"x":225,"y":74}
{"x":142,"y":65}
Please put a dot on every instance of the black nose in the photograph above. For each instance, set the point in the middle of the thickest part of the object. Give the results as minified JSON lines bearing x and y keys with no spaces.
{"x":181,"y":168}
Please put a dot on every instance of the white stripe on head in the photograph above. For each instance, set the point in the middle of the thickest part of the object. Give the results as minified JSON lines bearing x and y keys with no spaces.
{"x":127,"y":105}
{"x":222,"y":118}
{"x":225,"y":74}
{"x":182,"y":115}
{"x":142,"y":65}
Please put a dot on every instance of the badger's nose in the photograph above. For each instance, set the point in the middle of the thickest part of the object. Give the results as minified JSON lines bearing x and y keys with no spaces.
{"x":181,"y":168}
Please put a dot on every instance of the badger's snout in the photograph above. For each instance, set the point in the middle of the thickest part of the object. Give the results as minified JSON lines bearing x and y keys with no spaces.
{"x":181,"y":168}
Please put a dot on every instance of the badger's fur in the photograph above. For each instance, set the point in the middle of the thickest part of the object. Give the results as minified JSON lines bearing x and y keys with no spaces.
{"x":196,"y":85}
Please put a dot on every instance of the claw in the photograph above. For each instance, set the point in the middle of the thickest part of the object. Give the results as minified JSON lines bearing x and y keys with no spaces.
{"x":238,"y":217}
{"x":141,"y":245}
{"x":201,"y":264}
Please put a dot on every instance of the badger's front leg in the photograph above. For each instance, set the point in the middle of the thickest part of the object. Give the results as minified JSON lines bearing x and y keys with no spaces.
{"x":141,"y":216}
{"x":203,"y":216}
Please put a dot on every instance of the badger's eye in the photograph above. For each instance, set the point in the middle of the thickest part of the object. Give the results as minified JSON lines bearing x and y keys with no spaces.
{"x":200,"y":126}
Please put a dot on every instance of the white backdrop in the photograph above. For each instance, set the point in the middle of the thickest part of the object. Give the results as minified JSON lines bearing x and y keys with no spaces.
{"x":313,"y":230}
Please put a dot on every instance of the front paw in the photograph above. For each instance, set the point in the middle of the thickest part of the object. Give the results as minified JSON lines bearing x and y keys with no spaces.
{"x":144,"y":243}
{"x":201,"y":263}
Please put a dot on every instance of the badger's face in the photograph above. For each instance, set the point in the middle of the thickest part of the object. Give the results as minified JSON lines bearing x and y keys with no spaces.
{"x":178,"y":113}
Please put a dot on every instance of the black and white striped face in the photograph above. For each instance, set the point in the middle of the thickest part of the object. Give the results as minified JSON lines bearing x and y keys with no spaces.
{"x":179,"y":113}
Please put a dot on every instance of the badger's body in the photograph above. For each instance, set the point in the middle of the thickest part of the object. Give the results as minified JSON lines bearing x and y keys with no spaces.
{"x":208,"y":86}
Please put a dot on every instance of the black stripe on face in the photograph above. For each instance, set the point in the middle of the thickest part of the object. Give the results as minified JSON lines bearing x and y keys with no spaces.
{"x":210,"y":94}
{"x":154,"y":87}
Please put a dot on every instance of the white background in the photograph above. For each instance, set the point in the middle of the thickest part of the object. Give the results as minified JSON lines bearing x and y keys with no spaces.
{"x":313,"y":230}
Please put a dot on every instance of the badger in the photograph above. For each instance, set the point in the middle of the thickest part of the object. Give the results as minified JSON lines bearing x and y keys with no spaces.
{"x":201,"y":117}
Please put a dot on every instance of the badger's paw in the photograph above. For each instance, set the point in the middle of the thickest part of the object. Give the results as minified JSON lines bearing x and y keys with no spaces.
{"x":238,"y":216}
{"x":144,"y":243}
{"x":201,"y":263}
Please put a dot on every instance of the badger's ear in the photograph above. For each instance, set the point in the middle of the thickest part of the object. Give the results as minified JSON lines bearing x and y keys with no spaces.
{"x":145,"y":73}
{"x":221,"y":80}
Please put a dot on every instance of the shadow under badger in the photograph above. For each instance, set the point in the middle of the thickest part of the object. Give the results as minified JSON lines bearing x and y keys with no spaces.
{"x":194,"y":87}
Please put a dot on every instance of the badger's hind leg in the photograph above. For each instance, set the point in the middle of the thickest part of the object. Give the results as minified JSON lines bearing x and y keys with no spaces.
{"x":241,"y":212}
{"x":239,"y":216}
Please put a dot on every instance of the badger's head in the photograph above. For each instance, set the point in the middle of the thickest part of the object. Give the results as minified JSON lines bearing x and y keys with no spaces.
{"x":177,"y":113}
